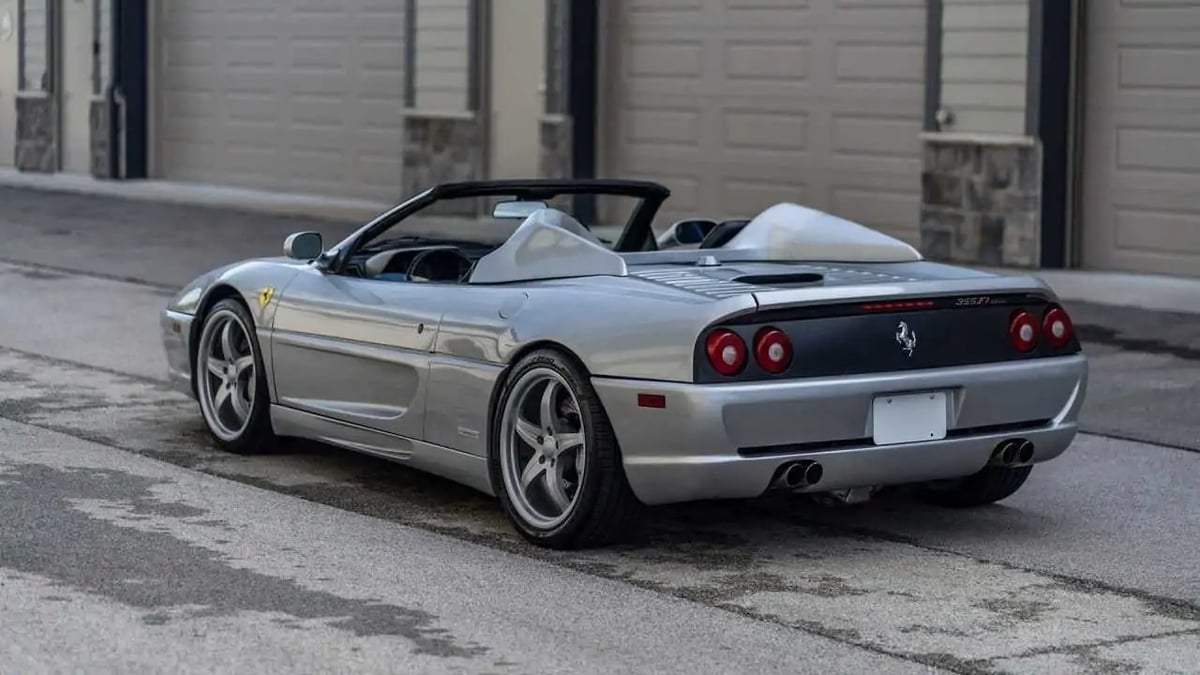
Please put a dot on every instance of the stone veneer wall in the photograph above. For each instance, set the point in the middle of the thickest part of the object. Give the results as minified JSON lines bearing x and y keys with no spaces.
{"x":37,"y":148}
{"x":556,"y":148}
{"x":981,"y":200}
{"x":443,"y":149}
{"x":101,"y":141}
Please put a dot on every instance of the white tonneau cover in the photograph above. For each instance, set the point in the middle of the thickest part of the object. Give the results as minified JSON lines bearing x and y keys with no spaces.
{"x":792,"y":232}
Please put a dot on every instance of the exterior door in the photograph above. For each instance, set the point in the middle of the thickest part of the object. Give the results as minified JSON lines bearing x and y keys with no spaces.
{"x":739,"y":105}
{"x":8,"y":81}
{"x":1141,"y":154}
{"x":357,"y":350}
{"x":77,"y":56}
{"x":304,"y":97}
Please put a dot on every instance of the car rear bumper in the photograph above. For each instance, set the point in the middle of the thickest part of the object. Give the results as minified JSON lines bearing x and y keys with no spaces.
{"x":176,"y":333}
{"x":731,"y":441}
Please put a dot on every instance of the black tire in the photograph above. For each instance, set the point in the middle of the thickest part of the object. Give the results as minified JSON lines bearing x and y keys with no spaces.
{"x":258,"y":436}
{"x":606,"y":509}
{"x":990,"y":485}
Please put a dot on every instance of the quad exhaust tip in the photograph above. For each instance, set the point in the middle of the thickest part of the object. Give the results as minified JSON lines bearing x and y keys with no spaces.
{"x":1013,"y":452}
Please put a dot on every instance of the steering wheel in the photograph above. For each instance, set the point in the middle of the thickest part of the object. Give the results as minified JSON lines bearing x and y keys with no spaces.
{"x":439,"y":264}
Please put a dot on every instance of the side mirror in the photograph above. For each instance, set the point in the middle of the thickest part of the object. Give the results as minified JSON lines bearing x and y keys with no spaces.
{"x":517,"y":209}
{"x":303,"y":245}
{"x":688,"y":232}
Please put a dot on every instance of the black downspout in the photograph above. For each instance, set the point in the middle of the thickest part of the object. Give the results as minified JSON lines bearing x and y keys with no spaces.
{"x":1050,"y":116}
{"x":129,"y":91}
{"x":933,"y":64}
{"x":582,"y":83}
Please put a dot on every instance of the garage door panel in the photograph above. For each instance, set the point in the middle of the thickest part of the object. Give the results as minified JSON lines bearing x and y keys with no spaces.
{"x":1143,"y":14}
{"x":862,"y":59}
{"x":876,"y":136}
{"x":1159,"y":149}
{"x":878,"y":205}
{"x":745,"y":198}
{"x":1148,"y":229}
{"x":764,"y":131}
{"x":770,"y":60}
{"x":663,"y":126}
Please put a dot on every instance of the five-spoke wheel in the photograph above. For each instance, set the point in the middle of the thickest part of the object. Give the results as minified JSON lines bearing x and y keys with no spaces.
{"x":229,"y":379}
{"x":542,"y":448}
{"x":555,"y":461}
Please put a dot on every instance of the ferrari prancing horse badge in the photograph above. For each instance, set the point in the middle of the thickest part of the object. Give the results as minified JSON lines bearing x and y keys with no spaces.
{"x":907,"y":338}
{"x":265,"y":295}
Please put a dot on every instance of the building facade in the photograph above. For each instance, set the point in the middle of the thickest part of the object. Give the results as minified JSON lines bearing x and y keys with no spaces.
{"x":1056,"y":133}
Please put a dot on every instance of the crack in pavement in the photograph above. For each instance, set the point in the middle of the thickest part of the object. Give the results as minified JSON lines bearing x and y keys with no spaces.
{"x":1087,"y":655}
{"x":1038,"y":651}
{"x":49,"y":536}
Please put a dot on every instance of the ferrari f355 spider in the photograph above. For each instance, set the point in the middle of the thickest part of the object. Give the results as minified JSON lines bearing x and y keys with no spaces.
{"x":578,"y":379}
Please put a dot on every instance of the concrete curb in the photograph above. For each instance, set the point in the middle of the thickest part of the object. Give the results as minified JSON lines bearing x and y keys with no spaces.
{"x":1160,"y":293}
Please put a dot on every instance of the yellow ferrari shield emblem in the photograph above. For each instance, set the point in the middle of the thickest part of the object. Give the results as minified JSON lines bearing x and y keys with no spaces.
{"x":265,"y":295}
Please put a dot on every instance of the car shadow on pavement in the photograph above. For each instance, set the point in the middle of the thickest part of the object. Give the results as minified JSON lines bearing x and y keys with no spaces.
{"x":706,"y":531}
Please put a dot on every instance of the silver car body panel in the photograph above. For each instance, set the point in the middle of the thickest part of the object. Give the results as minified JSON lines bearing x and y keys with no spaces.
{"x":409,"y":370}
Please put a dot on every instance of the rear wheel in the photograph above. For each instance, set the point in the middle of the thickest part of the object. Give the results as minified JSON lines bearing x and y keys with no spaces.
{"x":990,"y":485}
{"x":231,"y":385}
{"x":554,"y":458}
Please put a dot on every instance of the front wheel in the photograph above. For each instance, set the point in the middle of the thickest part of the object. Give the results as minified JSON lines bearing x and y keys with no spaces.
{"x":231,"y":384}
{"x":990,"y":485}
{"x":554,"y":458}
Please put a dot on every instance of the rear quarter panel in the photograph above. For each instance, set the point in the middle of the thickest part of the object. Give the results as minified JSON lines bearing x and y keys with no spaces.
{"x":617,"y":326}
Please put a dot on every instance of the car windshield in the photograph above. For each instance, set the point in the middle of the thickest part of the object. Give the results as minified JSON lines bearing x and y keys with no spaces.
{"x":470,"y":221}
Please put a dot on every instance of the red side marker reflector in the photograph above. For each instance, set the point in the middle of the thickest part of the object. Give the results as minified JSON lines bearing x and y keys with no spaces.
{"x":899,"y":304}
{"x":652,"y":401}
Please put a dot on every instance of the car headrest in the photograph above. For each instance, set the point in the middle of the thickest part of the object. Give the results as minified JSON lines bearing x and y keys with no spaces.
{"x":722,"y":233}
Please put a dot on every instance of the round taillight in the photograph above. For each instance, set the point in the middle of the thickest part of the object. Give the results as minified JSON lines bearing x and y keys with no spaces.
{"x":1056,"y":324}
{"x":726,"y":351}
{"x":772,"y":350}
{"x":1023,"y":331}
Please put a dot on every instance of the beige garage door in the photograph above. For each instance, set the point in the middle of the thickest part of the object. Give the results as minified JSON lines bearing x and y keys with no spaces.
{"x":739,"y":104}
{"x":304,"y":97}
{"x":1141,"y":155}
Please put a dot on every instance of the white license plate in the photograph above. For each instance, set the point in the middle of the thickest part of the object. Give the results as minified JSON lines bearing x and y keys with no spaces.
{"x":909,"y":418}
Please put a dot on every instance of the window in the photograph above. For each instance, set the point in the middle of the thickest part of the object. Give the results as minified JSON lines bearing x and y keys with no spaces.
{"x":558,"y":24}
{"x":102,"y":45}
{"x":441,"y":46}
{"x":35,"y":18}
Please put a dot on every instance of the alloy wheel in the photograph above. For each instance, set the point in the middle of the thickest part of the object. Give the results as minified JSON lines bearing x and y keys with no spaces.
{"x":543,"y":448}
{"x":227,"y":374}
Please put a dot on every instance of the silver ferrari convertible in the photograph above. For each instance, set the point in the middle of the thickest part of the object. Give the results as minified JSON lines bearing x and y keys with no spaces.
{"x":554,"y":344}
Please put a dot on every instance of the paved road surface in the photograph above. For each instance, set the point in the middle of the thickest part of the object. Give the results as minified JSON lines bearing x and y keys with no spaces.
{"x":122,"y":520}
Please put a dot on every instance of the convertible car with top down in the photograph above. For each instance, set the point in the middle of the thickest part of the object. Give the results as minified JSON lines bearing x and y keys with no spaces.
{"x":579,"y":378}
